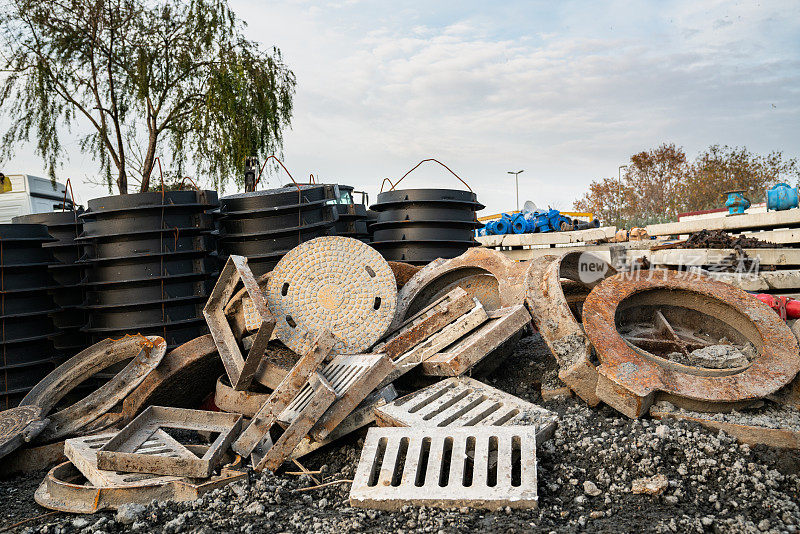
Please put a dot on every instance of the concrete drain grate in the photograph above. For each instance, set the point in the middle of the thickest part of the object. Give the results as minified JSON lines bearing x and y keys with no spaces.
{"x":481,"y":467}
{"x":332,"y":282}
{"x":463,"y":401}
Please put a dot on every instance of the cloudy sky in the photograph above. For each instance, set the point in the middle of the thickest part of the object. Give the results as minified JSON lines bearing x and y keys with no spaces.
{"x":565,"y":90}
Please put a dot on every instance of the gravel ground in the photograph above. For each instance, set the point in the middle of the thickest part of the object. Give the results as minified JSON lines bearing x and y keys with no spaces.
{"x":703,"y":482}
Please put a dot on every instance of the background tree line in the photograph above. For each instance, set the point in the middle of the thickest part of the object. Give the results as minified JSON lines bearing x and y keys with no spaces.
{"x":660,"y":183}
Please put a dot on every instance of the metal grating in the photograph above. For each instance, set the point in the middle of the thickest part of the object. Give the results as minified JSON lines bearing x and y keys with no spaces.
{"x":462,"y":401}
{"x":482,"y":467}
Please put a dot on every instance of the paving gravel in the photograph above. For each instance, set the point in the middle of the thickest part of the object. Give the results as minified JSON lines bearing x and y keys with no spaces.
{"x":586,"y":474}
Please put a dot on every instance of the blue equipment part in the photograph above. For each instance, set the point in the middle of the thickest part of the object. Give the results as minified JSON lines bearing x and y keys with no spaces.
{"x":502,"y":226}
{"x":519,"y":224}
{"x":736,"y":202}
{"x":781,"y":197}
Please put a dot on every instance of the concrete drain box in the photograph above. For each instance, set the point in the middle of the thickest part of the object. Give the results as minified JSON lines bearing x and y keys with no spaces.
{"x":481,"y":467}
{"x":463,"y":401}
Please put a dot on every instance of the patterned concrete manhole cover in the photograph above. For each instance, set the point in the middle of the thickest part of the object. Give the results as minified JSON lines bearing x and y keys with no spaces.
{"x":18,"y":425}
{"x":336,"y":283}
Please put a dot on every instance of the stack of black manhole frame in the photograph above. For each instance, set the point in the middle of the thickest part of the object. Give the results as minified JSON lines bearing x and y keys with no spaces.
{"x":69,"y":295}
{"x":418,"y":226}
{"x":26,"y":305}
{"x":150,"y":263}
{"x":264,"y":225}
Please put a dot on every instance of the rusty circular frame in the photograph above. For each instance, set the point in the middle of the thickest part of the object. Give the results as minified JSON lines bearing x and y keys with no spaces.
{"x":558,"y":326}
{"x":432,"y":279}
{"x":144,"y":352}
{"x":246,"y":403}
{"x":629,"y":380}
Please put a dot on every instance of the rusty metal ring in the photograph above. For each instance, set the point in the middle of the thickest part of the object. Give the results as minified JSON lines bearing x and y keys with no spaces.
{"x":557,"y":324}
{"x":433,"y":280}
{"x":629,"y":379}
{"x":65,"y":489}
{"x":145,"y":353}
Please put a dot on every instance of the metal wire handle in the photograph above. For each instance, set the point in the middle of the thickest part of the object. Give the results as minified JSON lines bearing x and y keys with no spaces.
{"x":272,"y":156}
{"x":417,"y":165}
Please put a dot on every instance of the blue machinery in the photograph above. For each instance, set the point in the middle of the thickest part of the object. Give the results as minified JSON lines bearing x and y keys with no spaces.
{"x":535,"y":222}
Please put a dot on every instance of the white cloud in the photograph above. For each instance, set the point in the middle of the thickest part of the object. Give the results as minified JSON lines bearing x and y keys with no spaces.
{"x":567,"y":92}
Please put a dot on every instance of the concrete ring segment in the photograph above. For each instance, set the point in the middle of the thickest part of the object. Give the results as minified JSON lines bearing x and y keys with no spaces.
{"x":630,"y":379}
{"x":338,"y":283}
{"x":555,"y":320}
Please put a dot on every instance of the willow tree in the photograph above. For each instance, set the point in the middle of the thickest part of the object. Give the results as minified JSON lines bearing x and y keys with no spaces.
{"x":136,"y":78}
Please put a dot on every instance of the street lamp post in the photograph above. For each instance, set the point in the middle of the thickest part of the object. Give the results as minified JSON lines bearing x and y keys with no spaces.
{"x":619,"y":193}
{"x":516,"y":179}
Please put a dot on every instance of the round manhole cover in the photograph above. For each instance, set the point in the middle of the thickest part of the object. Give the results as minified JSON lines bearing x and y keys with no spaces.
{"x":336,"y":283}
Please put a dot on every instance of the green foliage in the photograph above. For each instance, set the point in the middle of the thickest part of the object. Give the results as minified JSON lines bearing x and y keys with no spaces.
{"x":660,"y":183}
{"x":139,"y":75}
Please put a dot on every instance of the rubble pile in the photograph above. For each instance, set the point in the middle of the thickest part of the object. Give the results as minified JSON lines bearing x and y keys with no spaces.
{"x":301,"y":357}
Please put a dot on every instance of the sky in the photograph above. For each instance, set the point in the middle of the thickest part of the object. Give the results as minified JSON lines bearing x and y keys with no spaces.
{"x":566,"y":91}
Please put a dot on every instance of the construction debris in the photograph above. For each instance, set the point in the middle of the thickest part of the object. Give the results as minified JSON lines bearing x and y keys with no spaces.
{"x":143,"y":446}
{"x":345,"y":326}
{"x":464,"y":401}
{"x":481,"y":467}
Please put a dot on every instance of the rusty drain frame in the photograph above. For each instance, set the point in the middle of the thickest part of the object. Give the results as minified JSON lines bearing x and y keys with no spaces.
{"x":557,"y":324}
{"x":630,"y":380}
{"x":240,"y":370}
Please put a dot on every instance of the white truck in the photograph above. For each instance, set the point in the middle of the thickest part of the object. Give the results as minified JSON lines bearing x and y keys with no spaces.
{"x":22,"y":194}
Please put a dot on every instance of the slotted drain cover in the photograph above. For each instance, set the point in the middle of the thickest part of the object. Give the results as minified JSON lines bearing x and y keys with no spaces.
{"x":334,"y":282}
{"x":463,"y":401}
{"x":482,"y":467}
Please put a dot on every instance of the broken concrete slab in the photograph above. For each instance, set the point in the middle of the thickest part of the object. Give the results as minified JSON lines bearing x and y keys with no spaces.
{"x":771,"y":425}
{"x":503,"y":328}
{"x":438,"y":341}
{"x":240,"y":370}
{"x":481,"y":467}
{"x":284,"y":394}
{"x":464,"y":401}
{"x":427,"y":322}
{"x":131,"y":449}
{"x":144,"y":352}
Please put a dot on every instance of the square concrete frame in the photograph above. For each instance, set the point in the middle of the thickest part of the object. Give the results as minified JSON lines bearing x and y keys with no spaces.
{"x":352,"y":377}
{"x":451,"y":333}
{"x":82,"y":452}
{"x":463,"y":401}
{"x":289,"y":388}
{"x":130,"y":451}
{"x":482,"y":467}
{"x":240,"y":370}
{"x":503,"y":325}
{"x":271,"y":453}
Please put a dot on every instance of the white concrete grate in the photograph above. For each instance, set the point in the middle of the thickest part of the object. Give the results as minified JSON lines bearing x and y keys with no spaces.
{"x":482,"y":467}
